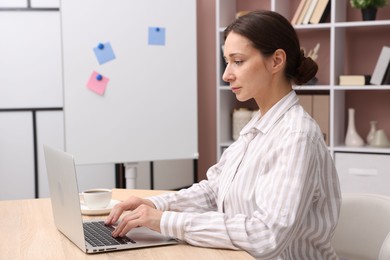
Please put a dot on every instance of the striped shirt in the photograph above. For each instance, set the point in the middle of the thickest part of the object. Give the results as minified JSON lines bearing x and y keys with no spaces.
{"x":274,"y":193}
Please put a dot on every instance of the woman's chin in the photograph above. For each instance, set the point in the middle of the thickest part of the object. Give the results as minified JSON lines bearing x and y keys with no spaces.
{"x":242,"y":98}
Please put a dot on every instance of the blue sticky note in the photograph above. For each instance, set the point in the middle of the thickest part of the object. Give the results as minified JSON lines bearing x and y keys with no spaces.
{"x":104,"y":52}
{"x":156,"y":36}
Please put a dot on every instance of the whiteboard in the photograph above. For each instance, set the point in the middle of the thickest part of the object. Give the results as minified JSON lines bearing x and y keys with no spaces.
{"x":149,"y":108}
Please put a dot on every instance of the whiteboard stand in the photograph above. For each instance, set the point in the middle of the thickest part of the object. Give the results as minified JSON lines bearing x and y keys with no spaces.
{"x":131,"y":175}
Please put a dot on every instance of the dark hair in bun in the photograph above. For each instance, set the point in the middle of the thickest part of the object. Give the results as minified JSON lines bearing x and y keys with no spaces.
{"x":269,"y":31}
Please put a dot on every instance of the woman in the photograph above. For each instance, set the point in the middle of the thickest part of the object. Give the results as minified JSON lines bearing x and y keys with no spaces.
{"x":275,"y":191}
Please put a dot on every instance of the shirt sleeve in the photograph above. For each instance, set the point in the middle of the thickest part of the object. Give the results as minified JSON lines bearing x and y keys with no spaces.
{"x":284,"y":188}
{"x":200,"y":197}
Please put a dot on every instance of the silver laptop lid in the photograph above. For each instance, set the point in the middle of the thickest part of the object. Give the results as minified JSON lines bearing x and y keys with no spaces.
{"x":64,"y":194}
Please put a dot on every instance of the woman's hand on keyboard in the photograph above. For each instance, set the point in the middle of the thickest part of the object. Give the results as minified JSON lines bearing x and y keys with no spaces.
{"x":142,"y":212}
{"x":143,"y":216}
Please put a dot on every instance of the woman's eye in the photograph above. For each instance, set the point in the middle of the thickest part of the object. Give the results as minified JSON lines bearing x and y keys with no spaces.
{"x":238,"y":62}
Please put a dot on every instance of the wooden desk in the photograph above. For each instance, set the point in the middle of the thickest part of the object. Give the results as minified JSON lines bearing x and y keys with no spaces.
{"x":28,"y":232}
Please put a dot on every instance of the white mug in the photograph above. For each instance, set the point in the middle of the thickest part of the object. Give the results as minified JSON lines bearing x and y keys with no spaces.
{"x":96,"y":198}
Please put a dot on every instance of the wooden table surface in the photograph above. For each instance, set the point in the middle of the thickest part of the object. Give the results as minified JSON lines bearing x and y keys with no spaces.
{"x":28,"y":232}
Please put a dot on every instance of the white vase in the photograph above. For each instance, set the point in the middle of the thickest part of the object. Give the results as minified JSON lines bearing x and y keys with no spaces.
{"x":371,"y":133}
{"x":380,"y":139}
{"x":352,"y":137}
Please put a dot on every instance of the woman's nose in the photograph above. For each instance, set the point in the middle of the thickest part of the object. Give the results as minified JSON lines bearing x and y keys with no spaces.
{"x":227,"y":76}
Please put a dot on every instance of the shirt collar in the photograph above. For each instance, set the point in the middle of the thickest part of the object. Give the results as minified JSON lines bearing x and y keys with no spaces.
{"x":263,"y":123}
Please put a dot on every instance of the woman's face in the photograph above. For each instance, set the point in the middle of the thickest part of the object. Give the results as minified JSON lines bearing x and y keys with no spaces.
{"x":247,"y":70}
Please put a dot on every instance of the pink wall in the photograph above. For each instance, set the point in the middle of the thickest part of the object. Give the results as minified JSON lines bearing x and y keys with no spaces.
{"x":206,"y":86}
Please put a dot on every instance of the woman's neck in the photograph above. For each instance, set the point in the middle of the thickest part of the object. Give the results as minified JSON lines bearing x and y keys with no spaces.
{"x":275,"y":93}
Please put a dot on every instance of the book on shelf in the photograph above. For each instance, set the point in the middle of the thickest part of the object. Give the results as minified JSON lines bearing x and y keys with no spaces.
{"x":303,"y":12}
{"x":309,"y":12}
{"x":354,"y":80}
{"x":298,"y":12}
{"x":386,"y":78}
{"x":321,"y":12}
{"x":381,"y":66}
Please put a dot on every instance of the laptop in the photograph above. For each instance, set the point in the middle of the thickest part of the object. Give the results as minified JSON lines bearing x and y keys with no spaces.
{"x":66,"y":208}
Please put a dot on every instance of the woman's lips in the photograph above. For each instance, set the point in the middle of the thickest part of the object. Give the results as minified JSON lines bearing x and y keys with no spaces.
{"x":235,"y":89}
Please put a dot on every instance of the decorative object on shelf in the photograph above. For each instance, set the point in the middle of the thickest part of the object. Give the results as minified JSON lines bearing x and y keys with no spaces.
{"x":369,"y":14}
{"x":368,"y":7}
{"x":313,"y":54}
{"x":380,"y":139}
{"x":352,"y":137}
{"x":241,"y":13}
{"x":241,"y":117}
{"x":371,"y":133}
{"x":354,"y":80}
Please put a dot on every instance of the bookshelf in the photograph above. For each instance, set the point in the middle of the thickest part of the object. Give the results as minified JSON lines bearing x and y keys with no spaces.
{"x":348,"y":46}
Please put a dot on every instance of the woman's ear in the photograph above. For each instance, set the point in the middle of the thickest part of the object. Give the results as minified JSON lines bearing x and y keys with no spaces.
{"x":279,"y":60}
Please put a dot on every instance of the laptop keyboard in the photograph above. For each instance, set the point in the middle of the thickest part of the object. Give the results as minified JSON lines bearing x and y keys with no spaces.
{"x":99,"y":234}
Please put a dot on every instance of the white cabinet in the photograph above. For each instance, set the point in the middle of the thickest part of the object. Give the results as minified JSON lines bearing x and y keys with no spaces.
{"x":348,"y":46}
{"x":16,"y":156}
{"x":31,"y":82}
{"x":30,"y":64}
{"x":45,"y":3}
{"x":13,"y":3}
{"x":367,"y":173}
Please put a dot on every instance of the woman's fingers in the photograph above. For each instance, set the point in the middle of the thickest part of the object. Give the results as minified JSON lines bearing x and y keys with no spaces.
{"x":144,"y":216}
{"x":131,"y":203}
{"x":114,"y":215}
{"x":126,"y":224}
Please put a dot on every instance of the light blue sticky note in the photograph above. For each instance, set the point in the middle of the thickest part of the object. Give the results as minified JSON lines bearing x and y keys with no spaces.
{"x":104,"y":52}
{"x":156,"y":36}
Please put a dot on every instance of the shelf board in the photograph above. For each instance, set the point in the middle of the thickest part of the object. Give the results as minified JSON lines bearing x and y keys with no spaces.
{"x":342,"y":25}
{"x":312,"y":87}
{"x":362,"y":23}
{"x":312,"y":26}
{"x":366,"y":87}
{"x":363,"y":149}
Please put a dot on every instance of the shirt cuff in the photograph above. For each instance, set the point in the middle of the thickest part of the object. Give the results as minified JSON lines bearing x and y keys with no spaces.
{"x":159,"y":202}
{"x":172,"y":224}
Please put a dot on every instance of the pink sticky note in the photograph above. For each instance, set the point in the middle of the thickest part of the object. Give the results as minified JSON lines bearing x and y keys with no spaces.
{"x":97,"y":83}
